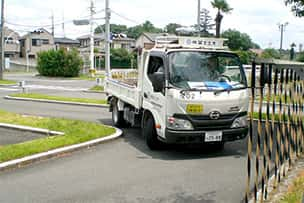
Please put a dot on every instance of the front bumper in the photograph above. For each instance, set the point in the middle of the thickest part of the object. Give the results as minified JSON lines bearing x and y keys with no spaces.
{"x":196,"y":137}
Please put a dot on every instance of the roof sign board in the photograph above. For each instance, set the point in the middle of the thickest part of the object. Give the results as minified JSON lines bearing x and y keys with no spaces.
{"x":192,"y":42}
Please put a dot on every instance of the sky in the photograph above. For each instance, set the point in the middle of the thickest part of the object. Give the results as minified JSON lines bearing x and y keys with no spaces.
{"x":257,"y":18}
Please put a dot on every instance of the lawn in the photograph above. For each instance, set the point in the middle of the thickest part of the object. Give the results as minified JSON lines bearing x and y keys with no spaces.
{"x":75,"y":132}
{"x":97,"y":88}
{"x":7,"y":82}
{"x":58,"y":98}
{"x":295,"y":191}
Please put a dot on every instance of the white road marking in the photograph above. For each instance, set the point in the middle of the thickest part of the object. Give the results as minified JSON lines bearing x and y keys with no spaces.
{"x":9,"y":89}
{"x":76,"y":89}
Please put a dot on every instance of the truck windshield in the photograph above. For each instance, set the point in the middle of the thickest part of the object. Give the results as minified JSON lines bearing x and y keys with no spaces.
{"x":206,"y":71}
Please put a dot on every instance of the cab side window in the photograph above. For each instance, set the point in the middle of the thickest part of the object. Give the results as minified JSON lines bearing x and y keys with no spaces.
{"x":156,"y":65}
{"x":156,"y":73}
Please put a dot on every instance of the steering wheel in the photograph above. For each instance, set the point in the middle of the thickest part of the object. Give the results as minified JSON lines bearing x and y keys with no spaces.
{"x":225,"y":76}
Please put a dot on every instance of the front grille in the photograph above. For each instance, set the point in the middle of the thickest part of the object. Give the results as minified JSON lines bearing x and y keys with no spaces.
{"x":204,"y":123}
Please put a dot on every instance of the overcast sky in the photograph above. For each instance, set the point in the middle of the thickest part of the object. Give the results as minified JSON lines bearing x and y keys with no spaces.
{"x":258,"y":18}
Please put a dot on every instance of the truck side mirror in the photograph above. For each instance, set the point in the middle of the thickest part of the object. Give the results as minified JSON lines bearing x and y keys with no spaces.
{"x":158,"y":81}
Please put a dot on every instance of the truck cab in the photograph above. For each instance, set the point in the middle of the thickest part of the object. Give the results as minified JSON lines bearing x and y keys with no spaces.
{"x":188,"y":90}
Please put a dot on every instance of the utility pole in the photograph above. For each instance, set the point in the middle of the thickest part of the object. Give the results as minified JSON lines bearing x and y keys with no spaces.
{"x":282,"y":29}
{"x":199,"y":18}
{"x":92,"y":10}
{"x":2,"y":40}
{"x":108,"y":40}
{"x":63,"y":24}
{"x":53,"y":26}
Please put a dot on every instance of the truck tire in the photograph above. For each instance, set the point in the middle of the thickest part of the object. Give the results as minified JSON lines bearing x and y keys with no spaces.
{"x":149,"y":132}
{"x":117,"y":116}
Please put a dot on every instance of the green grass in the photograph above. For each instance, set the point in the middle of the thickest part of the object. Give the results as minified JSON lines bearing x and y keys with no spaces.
{"x":7,"y":82}
{"x":58,"y":98}
{"x":295,"y":192}
{"x":97,"y":88}
{"x":75,"y":132}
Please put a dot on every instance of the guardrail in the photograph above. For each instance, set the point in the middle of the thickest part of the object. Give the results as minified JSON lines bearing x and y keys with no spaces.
{"x":279,"y":140}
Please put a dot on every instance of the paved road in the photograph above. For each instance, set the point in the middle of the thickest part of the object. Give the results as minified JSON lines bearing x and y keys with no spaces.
{"x":124,"y":170}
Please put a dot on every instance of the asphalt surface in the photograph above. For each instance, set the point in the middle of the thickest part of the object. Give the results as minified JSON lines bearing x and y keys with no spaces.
{"x":124,"y":170}
{"x":9,"y":136}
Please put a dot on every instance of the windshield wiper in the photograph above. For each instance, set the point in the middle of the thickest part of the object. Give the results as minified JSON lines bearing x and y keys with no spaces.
{"x":194,"y":90}
{"x":230,"y":89}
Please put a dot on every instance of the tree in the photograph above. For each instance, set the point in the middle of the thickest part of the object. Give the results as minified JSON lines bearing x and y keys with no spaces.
{"x":238,"y":40}
{"x":297,"y":6}
{"x":222,"y":7}
{"x":205,"y":24}
{"x":246,"y":57}
{"x":171,"y":28}
{"x":114,"y":28}
{"x":147,"y":26}
{"x":271,"y":53}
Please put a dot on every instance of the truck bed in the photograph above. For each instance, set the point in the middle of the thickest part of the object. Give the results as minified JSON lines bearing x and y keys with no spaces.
{"x":124,"y":85}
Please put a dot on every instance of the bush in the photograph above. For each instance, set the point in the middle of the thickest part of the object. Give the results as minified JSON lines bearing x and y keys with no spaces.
{"x":121,"y":58}
{"x":301,"y":57}
{"x":59,"y":63}
{"x":271,"y":53}
{"x":246,"y":57}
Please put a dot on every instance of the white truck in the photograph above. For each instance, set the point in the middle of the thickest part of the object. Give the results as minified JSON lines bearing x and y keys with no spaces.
{"x":185,"y":90}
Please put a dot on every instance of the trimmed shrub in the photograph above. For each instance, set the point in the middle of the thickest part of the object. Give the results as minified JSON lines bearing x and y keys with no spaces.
{"x":300,"y":58}
{"x":59,"y":63}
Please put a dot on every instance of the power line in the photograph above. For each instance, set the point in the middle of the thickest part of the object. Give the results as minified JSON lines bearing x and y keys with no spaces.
{"x":124,"y":17}
{"x":58,"y":23}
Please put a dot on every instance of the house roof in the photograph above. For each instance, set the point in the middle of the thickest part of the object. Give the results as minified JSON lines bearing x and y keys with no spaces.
{"x":65,"y":40}
{"x":96,"y":37}
{"x":152,"y":36}
{"x":102,"y":37}
{"x":37,"y":31}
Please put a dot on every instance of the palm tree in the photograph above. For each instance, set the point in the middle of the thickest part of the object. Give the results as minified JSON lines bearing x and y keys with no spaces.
{"x":222,"y":7}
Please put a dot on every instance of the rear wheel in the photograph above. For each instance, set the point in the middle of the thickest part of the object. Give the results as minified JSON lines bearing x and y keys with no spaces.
{"x":149,"y":132}
{"x":117,"y":116}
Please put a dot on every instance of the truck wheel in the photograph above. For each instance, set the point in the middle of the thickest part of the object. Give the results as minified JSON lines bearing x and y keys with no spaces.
{"x":117,"y":116}
{"x":150,"y":134}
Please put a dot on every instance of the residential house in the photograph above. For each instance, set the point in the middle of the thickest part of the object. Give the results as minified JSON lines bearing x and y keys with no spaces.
{"x":66,"y":43}
{"x":34,"y":42}
{"x":11,"y":43}
{"x":118,"y":41}
{"x":147,"y":40}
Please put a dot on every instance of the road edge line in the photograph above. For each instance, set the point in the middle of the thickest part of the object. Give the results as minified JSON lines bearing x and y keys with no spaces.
{"x":56,"y":102}
{"x":30,"y":129}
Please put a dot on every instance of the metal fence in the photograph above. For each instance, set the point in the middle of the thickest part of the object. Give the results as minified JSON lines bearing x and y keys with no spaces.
{"x":276,"y":139}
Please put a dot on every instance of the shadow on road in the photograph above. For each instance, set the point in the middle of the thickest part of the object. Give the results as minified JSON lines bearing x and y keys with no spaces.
{"x":133,"y":137}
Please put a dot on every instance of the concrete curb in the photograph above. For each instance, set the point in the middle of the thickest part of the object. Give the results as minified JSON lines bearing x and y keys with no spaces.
{"x":30,"y":129}
{"x":17,"y":163}
{"x":56,"y":102}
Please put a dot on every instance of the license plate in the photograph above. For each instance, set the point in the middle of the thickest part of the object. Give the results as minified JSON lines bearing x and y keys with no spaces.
{"x":213,"y":136}
{"x":194,"y":108}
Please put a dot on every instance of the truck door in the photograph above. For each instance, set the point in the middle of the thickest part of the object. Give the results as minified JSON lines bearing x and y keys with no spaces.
{"x":154,"y":91}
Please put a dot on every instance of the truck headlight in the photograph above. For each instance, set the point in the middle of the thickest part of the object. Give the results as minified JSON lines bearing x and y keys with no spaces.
{"x":178,"y":124}
{"x":240,"y":122}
